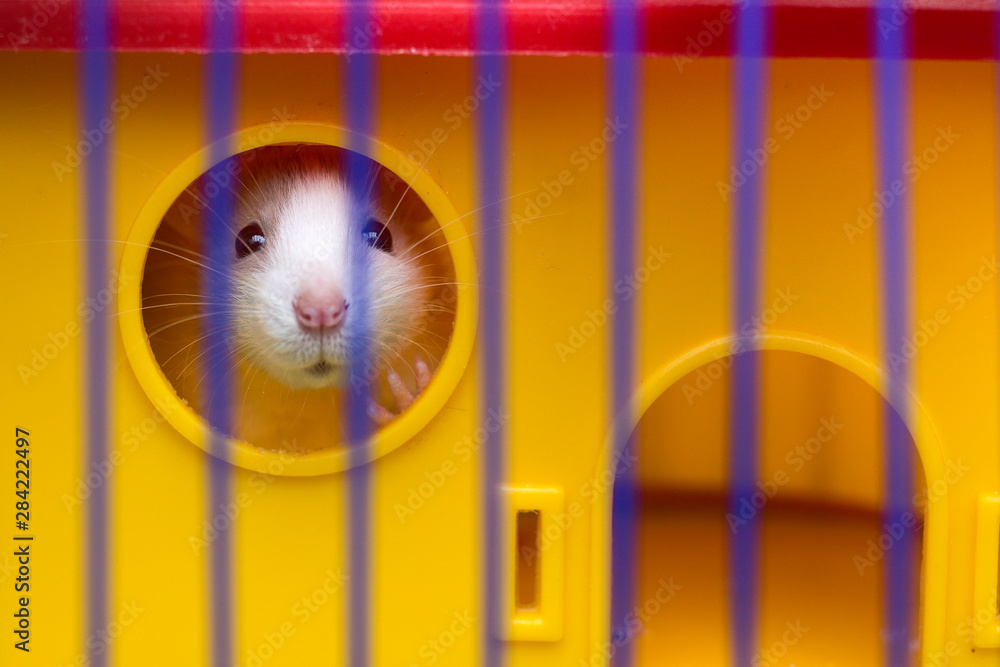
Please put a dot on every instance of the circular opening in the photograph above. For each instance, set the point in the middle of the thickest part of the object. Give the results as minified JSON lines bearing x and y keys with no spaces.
{"x":253,"y":304}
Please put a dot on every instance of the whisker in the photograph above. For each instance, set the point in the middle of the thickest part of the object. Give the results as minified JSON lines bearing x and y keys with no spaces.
{"x":175,"y":305}
{"x":479,"y":231}
{"x":409,"y":185}
{"x":188,"y":346}
{"x":464,"y":215}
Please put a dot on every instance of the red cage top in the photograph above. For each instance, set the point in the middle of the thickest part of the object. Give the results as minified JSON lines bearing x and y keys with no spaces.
{"x":952,"y":29}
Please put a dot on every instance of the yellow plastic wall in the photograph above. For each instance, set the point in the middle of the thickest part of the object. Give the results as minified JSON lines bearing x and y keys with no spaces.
{"x":289,"y":532}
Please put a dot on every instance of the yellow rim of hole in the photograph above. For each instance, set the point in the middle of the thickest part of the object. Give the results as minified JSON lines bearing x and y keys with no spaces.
{"x":191,"y":424}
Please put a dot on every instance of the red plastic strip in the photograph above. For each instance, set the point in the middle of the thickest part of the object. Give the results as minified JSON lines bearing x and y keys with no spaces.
{"x":947,"y":29}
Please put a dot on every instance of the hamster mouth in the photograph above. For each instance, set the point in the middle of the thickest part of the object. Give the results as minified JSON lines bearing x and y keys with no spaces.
{"x":324,"y":373}
{"x":321,"y":369}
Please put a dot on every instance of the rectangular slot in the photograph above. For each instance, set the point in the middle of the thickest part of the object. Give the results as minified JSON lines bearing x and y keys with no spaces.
{"x":534,"y":555}
{"x":987,"y":573}
{"x":527,"y":566}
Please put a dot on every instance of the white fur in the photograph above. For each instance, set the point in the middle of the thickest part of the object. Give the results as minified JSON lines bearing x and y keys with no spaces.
{"x":312,"y":223}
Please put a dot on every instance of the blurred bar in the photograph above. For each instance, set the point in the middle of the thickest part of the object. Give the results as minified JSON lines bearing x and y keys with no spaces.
{"x":494,"y":256}
{"x":360,"y":82}
{"x":95,"y":93}
{"x":623,"y":72}
{"x":893,"y":129}
{"x":221,"y":94}
{"x":750,"y":91}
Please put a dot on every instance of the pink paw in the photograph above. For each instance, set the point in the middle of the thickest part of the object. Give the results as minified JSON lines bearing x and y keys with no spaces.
{"x":382,"y":415}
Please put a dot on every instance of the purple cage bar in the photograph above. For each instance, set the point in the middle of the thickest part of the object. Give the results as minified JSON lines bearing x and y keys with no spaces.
{"x":96,"y":94}
{"x":622,"y":76}
{"x":750,"y":90}
{"x":222,"y":95}
{"x":360,"y":90}
{"x":892,"y":136}
{"x":493,"y":252}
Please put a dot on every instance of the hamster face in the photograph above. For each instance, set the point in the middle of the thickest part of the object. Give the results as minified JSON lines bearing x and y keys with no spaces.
{"x":302,"y":237}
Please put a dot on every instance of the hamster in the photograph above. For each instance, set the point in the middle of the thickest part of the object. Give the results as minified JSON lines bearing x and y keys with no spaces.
{"x":297,"y":229}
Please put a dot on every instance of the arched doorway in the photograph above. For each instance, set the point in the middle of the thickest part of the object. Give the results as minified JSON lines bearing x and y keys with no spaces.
{"x":822,"y":538}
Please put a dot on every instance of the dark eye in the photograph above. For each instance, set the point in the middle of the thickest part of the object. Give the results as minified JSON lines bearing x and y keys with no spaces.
{"x":377,"y":236}
{"x":249,"y":240}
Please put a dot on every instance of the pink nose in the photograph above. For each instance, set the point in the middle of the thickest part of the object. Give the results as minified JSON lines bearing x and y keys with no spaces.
{"x":319,"y":306}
